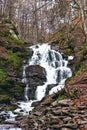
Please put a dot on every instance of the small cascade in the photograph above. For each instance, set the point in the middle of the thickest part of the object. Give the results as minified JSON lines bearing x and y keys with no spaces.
{"x":56,"y":73}
{"x":24,"y":80}
{"x":26,"y":92}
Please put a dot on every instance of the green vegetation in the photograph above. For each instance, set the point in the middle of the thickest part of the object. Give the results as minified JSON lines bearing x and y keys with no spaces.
{"x":8,"y":108}
{"x":61,"y":97}
{"x":85,"y":45}
{"x":12,"y":54}
{"x":5,"y":98}
{"x":13,"y":59}
{"x":6,"y":20}
{"x":4,"y":34}
{"x":15,"y":38}
{"x":85,"y":50}
{"x":3,"y":76}
{"x":80,"y":69}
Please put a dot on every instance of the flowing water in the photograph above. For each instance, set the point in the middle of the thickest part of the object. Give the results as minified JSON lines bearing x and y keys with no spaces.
{"x":56,"y":73}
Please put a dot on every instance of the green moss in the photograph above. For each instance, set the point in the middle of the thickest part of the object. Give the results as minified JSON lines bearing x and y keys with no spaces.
{"x":5,"y":98}
{"x":68,"y":51}
{"x":3,"y":34}
{"x":3,"y":76}
{"x":80,"y":69}
{"x":15,"y":53}
{"x":6,"y":20}
{"x":8,"y":108}
{"x":57,"y":97}
{"x":17,"y":90}
{"x":69,"y":48}
{"x":85,"y":45}
{"x":15,"y":38}
{"x":61,"y":97}
{"x":13,"y":58}
{"x":85,"y":51}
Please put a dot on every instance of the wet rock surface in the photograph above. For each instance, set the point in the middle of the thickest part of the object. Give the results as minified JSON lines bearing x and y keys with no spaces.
{"x":36,"y":75}
{"x":36,"y":72}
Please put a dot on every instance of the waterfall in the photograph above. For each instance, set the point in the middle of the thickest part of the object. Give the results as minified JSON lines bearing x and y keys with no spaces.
{"x":55,"y":66}
{"x":56,"y":73}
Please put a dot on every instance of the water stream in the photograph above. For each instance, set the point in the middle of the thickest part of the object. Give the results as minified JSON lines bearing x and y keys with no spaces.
{"x":57,"y":72}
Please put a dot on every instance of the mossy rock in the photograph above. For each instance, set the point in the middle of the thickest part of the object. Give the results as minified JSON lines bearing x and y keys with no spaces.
{"x":3,"y":76}
{"x":5,"y":99}
{"x":10,"y":65}
{"x":10,"y":107}
{"x":13,"y":90}
{"x":17,"y":91}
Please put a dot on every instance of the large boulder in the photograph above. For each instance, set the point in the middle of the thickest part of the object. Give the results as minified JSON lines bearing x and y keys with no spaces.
{"x":36,"y":75}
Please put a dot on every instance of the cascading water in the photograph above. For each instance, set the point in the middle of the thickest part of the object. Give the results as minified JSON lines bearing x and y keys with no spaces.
{"x":56,"y":73}
{"x":56,"y":68}
{"x":24,"y":80}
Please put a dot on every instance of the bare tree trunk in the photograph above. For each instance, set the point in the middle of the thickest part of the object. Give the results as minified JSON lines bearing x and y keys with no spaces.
{"x":84,"y":19}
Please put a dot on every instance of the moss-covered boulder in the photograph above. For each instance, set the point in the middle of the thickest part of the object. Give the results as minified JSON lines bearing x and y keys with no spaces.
{"x":12,"y":53}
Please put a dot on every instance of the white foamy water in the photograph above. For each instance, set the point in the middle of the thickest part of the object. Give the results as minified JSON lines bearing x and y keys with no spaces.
{"x":24,"y":107}
{"x":9,"y":127}
{"x":56,"y":73}
{"x":4,"y":128}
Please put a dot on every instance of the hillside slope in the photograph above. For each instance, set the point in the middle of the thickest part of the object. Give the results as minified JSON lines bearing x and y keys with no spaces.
{"x":67,"y":109}
{"x":12,"y":53}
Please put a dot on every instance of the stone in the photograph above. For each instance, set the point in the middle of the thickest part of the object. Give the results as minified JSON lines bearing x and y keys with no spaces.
{"x":82,"y":122}
{"x":56,"y":127}
{"x":41,"y":121}
{"x":66,"y":129}
{"x":82,"y":107}
{"x":48,"y":129}
{"x":35,"y":104}
{"x":71,"y":125}
{"x":65,"y":103}
{"x":36,"y":73}
{"x":67,"y":119}
{"x":56,"y":112}
{"x":49,"y":87}
{"x":55,"y":47}
{"x":37,"y":113}
{"x":36,"y":76}
{"x":30,"y":52}
{"x":55,"y":120}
